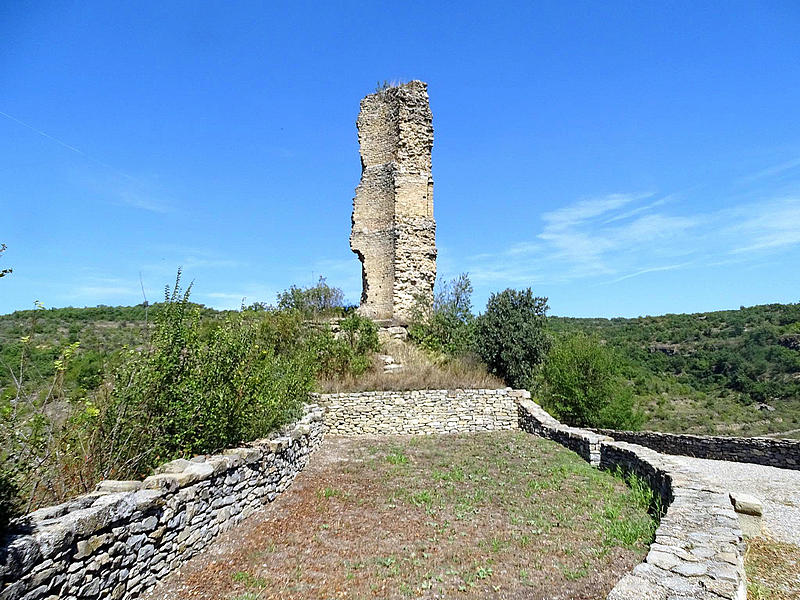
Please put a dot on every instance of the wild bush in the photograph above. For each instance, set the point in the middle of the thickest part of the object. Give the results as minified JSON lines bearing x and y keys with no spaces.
{"x":320,"y":300}
{"x":197,"y":382}
{"x":347,"y":354}
{"x":510,"y":336}
{"x":29,"y":433}
{"x":446,"y":324}
{"x":196,"y":391}
{"x":582,"y":384}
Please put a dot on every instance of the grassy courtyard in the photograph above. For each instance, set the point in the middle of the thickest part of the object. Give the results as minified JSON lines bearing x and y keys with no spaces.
{"x":500,"y":515}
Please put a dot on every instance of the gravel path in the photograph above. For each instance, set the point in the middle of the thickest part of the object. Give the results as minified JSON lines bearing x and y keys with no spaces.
{"x":778,"y":490}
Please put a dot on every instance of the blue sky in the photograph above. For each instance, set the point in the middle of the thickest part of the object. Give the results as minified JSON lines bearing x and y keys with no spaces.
{"x":621,"y":158}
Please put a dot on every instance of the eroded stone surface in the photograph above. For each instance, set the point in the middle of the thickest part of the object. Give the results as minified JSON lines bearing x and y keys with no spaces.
{"x":394,"y":232}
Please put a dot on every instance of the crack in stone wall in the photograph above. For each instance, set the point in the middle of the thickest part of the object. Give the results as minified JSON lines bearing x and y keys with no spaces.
{"x":393,"y":229}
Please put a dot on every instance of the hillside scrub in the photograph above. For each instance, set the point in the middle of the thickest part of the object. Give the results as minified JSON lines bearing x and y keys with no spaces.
{"x":446,"y":324}
{"x":508,"y":339}
{"x":314,"y":302}
{"x":193,"y":384}
{"x":582,"y":384}
{"x":725,"y":372}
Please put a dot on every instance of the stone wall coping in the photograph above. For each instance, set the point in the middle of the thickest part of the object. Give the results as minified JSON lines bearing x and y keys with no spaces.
{"x":781,"y":453}
{"x":697,"y":551}
{"x":416,"y":393}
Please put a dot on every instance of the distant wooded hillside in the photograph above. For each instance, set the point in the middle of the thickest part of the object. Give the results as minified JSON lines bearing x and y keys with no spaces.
{"x":727,"y":372}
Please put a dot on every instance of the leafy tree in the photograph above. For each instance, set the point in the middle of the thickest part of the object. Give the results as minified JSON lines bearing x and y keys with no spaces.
{"x":312,"y":302}
{"x":510,"y":336}
{"x":446,"y":324}
{"x":582,"y":384}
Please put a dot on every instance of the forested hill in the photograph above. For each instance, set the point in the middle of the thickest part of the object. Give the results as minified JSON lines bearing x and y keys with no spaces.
{"x":732,"y":371}
{"x":43,"y":335}
{"x":729,"y":372}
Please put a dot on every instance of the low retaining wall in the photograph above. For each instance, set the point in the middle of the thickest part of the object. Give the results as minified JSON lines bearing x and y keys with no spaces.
{"x":420,"y":411}
{"x":119,"y":541}
{"x":784,"y":454}
{"x":698,"y":550}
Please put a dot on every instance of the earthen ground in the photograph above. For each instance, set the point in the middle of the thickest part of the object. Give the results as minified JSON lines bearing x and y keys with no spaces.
{"x":497,"y":515}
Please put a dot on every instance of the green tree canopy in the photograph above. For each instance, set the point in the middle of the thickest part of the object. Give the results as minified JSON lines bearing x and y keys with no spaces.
{"x":511,"y":337}
{"x":582,"y":384}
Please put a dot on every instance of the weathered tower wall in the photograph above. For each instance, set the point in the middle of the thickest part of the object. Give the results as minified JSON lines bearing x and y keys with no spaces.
{"x":394,"y":232}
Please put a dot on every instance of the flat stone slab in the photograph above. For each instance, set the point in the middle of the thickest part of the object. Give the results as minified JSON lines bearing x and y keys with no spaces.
{"x":746,"y":504}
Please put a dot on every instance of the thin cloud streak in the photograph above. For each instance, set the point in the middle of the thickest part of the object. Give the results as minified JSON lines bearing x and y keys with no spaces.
{"x":622,"y":237}
{"x":772,"y":171}
{"x":646,"y":271}
{"x":125,"y":195}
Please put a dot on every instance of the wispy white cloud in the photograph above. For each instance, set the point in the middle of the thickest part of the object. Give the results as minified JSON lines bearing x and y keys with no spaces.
{"x":123,"y":188}
{"x":94,"y":289}
{"x":622,"y":236}
{"x":772,"y":171}
{"x":246,"y":295}
{"x":585,"y":210}
{"x":648,"y":270}
{"x":768,"y":226}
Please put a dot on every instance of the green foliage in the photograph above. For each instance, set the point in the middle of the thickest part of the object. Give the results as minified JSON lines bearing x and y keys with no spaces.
{"x":316,"y":301}
{"x":9,"y":498}
{"x":510,"y":335}
{"x":27,"y":431}
{"x":197,"y":390}
{"x":446,"y":325}
{"x":348,"y":353}
{"x":112,"y":391}
{"x":708,"y":372}
{"x":583,"y":385}
{"x":4,"y":272}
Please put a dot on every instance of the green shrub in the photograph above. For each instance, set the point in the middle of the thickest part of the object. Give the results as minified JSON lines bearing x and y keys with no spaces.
{"x":582,"y":384}
{"x":319,"y":300}
{"x":9,"y":498}
{"x":446,"y":325}
{"x":510,"y":336}
{"x":350,"y":352}
{"x":197,"y":390}
{"x":194,"y":381}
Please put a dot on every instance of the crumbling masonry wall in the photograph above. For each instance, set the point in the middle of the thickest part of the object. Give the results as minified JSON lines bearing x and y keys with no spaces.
{"x":394,"y":232}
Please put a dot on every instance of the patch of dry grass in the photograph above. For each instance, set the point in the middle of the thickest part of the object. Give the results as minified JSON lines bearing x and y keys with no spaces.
{"x":501,"y":515}
{"x":773,"y":570}
{"x":420,"y":372}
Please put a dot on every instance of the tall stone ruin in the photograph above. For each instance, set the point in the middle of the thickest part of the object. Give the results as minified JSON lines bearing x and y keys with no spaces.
{"x":394,"y":232}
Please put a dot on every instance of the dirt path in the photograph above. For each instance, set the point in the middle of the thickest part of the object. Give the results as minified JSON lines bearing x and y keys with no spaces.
{"x":778,"y":489}
{"x":503,"y":515}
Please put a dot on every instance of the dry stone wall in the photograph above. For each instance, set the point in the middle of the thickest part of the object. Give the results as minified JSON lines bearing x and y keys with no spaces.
{"x":420,"y":412}
{"x":118,"y":542}
{"x":784,"y":454}
{"x":393,"y":229}
{"x":698,"y":550}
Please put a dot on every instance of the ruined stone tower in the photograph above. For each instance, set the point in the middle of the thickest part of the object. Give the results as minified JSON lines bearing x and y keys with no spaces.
{"x":394,"y":233}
